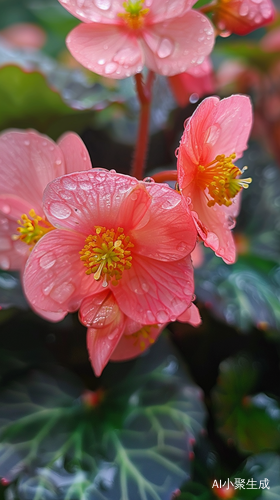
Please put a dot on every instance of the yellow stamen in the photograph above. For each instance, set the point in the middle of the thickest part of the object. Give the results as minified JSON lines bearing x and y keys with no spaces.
{"x":135,"y":14}
{"x":106,"y":254}
{"x":32,"y":229}
{"x":143,"y":335}
{"x":220,"y":177}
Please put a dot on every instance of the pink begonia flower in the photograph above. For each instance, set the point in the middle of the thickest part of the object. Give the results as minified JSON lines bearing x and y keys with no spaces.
{"x":115,"y":336}
{"x":24,"y":35}
{"x":197,"y":80}
{"x":28,"y":162}
{"x":118,"y":38}
{"x":113,"y":234}
{"x":243,"y":16}
{"x":215,"y":135}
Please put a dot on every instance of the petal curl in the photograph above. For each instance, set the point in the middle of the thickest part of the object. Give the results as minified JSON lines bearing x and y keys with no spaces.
{"x":175,"y":45}
{"x":108,"y":50}
{"x":154,"y":292}
{"x":54,"y":278}
{"x":75,"y":153}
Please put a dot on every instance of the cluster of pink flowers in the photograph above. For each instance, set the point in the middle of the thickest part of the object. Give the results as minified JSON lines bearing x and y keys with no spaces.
{"x":115,"y":248}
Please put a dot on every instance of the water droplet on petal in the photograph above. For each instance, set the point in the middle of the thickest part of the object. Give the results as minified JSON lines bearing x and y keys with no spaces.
{"x":103,"y":4}
{"x":5,"y":208}
{"x":162,"y":316}
{"x":27,"y":143}
{"x":47,"y":261}
{"x":60,"y":211}
{"x":150,"y":316}
{"x":101,"y":62}
{"x":4,"y":262}
{"x":244,"y":9}
{"x":62,"y":292}
{"x":58,"y":162}
{"x":148,"y":179}
{"x":165,"y":48}
{"x":110,"y":68}
{"x":68,"y":183}
{"x":212,"y":134}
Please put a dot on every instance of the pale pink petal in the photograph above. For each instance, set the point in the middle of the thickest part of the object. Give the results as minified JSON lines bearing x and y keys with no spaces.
{"x":50,"y":316}
{"x":154,"y":292}
{"x":191,"y":316}
{"x":169,"y":233}
{"x":160,"y":11}
{"x":217,"y":222}
{"x":99,"y":310}
{"x":75,"y":153}
{"x":131,"y":346}
{"x":197,"y":256}
{"x":89,"y":11}
{"x":101,"y":342}
{"x":108,"y":50}
{"x":82,"y":200}
{"x":13,"y":254}
{"x":29,"y":161}
{"x":173,"y":46}
{"x":54,"y":278}
{"x":24,"y":35}
{"x":14,"y":207}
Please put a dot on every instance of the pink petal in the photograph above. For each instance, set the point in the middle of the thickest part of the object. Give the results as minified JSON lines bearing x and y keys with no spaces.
{"x":243,"y":16}
{"x":14,"y":207}
{"x":54,"y":278}
{"x":13,"y":254}
{"x":197,"y":80}
{"x":169,"y":233}
{"x":218,"y":223}
{"x":75,"y":153}
{"x":135,"y":206}
{"x":79,"y":201}
{"x":99,"y":310}
{"x":29,"y":162}
{"x":99,"y":11}
{"x":50,"y":316}
{"x":129,"y":346}
{"x":101,"y":342}
{"x":160,"y":11}
{"x":108,"y":50}
{"x":154,"y":292}
{"x":25,"y":35}
{"x":191,"y":316}
{"x":175,"y":45}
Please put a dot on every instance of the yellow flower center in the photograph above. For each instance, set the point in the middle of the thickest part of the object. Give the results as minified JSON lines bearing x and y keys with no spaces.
{"x":135,"y":14}
{"x":106,"y":254}
{"x":32,"y":228}
{"x":220,"y":177}
{"x":144,"y":335}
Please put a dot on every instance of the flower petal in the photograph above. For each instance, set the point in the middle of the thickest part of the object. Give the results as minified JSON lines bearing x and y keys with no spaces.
{"x":191,"y":316}
{"x":154,"y":292}
{"x":108,"y":50}
{"x":99,"y":310}
{"x":169,"y":233}
{"x":218,"y":222}
{"x":13,"y":254}
{"x":161,"y":11}
{"x":101,"y":342}
{"x":243,"y":16}
{"x":29,"y":162}
{"x":75,"y":153}
{"x":81,"y":200}
{"x":135,"y":206}
{"x":133,"y":345}
{"x":93,"y":11}
{"x":175,"y":45}
{"x":54,"y":278}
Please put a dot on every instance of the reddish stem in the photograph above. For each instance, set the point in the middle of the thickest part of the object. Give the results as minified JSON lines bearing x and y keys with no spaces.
{"x":206,"y":9}
{"x":144,"y":95}
{"x":165,"y":175}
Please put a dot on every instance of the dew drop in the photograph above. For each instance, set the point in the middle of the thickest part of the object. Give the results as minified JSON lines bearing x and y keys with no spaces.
{"x":162,"y":316}
{"x":149,"y":179}
{"x":62,"y":292}
{"x":5,"y":208}
{"x":103,"y":4}
{"x":110,"y":68}
{"x":212,"y":134}
{"x":150,"y":316}
{"x":4,"y":262}
{"x":60,"y":210}
{"x":85,"y":185}
{"x":244,"y":9}
{"x":194,"y":98}
{"x":58,"y":162}
{"x":47,"y":261}
{"x":101,"y":62}
{"x":27,"y":143}
{"x":165,"y":48}
{"x":69,"y":184}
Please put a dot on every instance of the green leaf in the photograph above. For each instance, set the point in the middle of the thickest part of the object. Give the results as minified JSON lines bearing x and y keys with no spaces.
{"x":135,"y":444}
{"x":265,"y":465}
{"x":251,"y":421}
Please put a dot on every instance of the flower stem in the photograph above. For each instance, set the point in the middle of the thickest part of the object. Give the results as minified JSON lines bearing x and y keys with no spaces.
{"x":206,"y":9}
{"x":144,"y":95}
{"x":165,"y":175}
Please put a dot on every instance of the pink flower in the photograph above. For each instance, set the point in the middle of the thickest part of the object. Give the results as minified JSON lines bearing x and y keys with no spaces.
{"x":118,"y":242}
{"x":117,"y":38}
{"x":197,"y":80}
{"x":215,"y":135}
{"x":24,"y":35}
{"x":115,"y":336}
{"x":28,"y":162}
{"x":243,"y":16}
